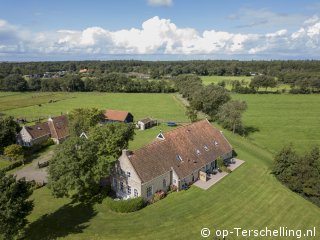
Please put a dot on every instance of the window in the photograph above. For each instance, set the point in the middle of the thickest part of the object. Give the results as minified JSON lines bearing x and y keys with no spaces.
{"x":164,"y":183}
{"x":149,"y":191}
{"x":121,"y":186}
{"x":129,"y":190}
{"x":115,"y":183}
{"x":174,"y":181}
{"x":178,"y":158}
{"x":128,"y":174}
{"x":135,"y":192}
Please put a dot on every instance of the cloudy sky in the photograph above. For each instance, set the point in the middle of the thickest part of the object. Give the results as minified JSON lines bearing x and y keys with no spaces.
{"x":159,"y":29}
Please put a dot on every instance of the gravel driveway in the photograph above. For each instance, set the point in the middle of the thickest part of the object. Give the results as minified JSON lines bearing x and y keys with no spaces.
{"x":33,"y":172}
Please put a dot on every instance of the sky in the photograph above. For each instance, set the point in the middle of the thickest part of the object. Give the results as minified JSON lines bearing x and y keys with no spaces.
{"x":37,"y":30}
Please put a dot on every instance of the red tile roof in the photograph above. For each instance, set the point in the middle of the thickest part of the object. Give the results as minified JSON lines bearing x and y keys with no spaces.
{"x":197,"y":144}
{"x":59,"y":127}
{"x":115,"y":115}
{"x":38,"y":130}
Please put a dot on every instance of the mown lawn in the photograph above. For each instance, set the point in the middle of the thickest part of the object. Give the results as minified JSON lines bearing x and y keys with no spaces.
{"x":162,"y":106}
{"x":250,"y":198}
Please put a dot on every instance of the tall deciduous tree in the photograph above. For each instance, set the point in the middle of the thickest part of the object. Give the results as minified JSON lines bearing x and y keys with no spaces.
{"x":8,"y":131}
{"x":80,"y":163}
{"x":14,"y":205}
{"x":213,"y":96}
{"x":81,"y":119}
{"x":230,"y":115}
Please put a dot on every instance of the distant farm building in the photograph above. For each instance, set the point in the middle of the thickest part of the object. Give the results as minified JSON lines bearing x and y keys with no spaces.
{"x":118,"y":116}
{"x":55,"y":128}
{"x":146,"y":123}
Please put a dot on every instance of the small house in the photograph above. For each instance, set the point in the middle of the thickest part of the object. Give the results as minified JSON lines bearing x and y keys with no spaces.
{"x":55,"y":128}
{"x":118,"y":116}
{"x":146,"y":123}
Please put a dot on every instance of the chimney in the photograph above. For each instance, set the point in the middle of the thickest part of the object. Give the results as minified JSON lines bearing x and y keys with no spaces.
{"x":126,"y":152}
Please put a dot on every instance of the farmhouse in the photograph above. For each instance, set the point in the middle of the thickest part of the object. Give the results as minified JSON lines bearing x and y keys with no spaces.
{"x":118,"y":116}
{"x":174,"y":158}
{"x":146,"y":123}
{"x":55,"y":128}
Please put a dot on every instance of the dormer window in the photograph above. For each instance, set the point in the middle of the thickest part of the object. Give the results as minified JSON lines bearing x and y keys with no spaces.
{"x":178,"y":158}
{"x":215,"y":143}
{"x":160,"y":136}
{"x":198,"y":151}
{"x":206,"y":148}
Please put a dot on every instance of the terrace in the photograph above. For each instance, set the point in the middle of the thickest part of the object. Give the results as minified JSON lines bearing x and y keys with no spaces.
{"x":214,"y":178}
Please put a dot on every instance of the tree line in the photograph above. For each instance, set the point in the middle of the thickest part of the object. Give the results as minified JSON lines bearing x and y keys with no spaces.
{"x":299,"y":172}
{"x":110,"y":82}
{"x":213,"y":100}
{"x":163,"y":68}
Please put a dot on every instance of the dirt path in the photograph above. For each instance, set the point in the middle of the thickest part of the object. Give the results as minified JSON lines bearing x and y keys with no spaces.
{"x":33,"y":172}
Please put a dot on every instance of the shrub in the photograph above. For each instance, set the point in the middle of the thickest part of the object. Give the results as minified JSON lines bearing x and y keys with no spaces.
{"x":158,"y":196}
{"x":12,"y":166}
{"x":126,"y":206}
{"x":14,"y":152}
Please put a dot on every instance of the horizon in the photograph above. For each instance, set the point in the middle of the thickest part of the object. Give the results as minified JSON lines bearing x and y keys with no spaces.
{"x":159,"y":30}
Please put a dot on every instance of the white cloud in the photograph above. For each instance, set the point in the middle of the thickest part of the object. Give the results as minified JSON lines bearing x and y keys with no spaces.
{"x":161,"y":3}
{"x":161,"y":36}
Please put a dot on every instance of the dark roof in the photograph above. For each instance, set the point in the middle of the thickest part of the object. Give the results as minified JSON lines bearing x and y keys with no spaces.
{"x":185,"y":149}
{"x":115,"y":115}
{"x":38,"y":130}
{"x":146,"y":120}
{"x":59,"y":127}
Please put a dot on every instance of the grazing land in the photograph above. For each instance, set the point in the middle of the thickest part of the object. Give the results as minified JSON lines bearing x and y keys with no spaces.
{"x":250,"y":197}
{"x":215,"y":79}
{"x":244,"y":80}
{"x":35,"y":105}
{"x":278,"y":119}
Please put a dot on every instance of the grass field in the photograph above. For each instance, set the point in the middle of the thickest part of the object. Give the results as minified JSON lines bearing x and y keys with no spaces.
{"x":282,"y":119}
{"x":250,"y":197}
{"x":245,"y":79}
{"x":162,"y":106}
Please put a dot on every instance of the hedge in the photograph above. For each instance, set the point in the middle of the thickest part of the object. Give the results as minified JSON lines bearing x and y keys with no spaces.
{"x":126,"y":206}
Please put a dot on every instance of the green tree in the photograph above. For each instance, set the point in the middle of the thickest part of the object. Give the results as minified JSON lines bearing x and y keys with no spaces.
{"x":14,"y":82}
{"x":192,"y":114}
{"x":230,"y":115}
{"x":263,"y":81}
{"x":14,"y":152}
{"x":212,"y":98}
{"x":284,"y":162}
{"x":8,"y":131}
{"x":81,"y":119}
{"x":79,"y":164}
{"x":15,"y":205}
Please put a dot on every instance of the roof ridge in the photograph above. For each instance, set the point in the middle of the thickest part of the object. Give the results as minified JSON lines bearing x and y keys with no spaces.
{"x":164,"y":140}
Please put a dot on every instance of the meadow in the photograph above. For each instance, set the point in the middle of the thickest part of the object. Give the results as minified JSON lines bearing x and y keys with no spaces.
{"x":141,"y":105}
{"x":250,"y":197}
{"x":245,"y":80}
